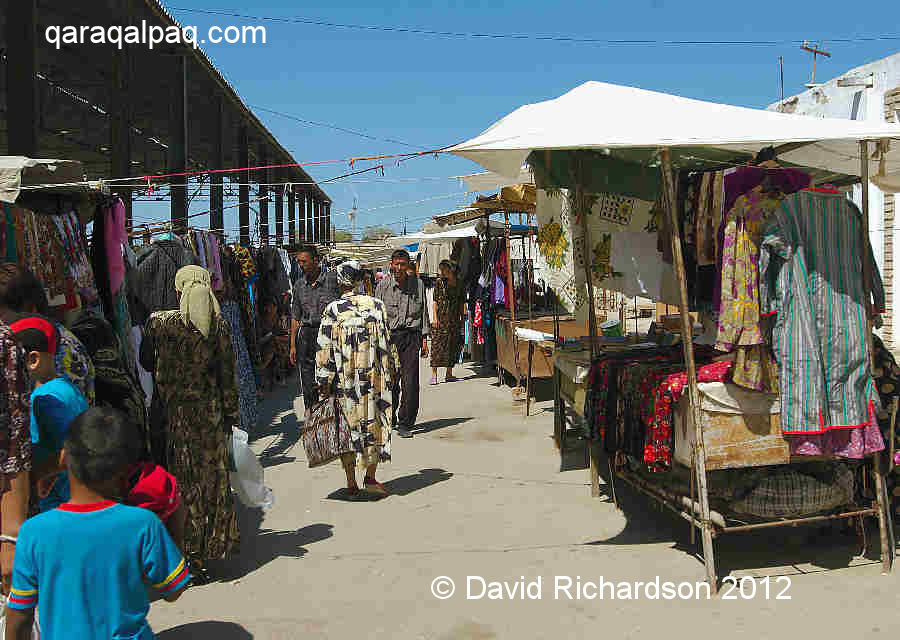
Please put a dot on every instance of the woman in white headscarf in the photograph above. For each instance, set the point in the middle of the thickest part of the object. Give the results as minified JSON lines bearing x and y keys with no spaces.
{"x":190,"y":354}
{"x":354,"y":363}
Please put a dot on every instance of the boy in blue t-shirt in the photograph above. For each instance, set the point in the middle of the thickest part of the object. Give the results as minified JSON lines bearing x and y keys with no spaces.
{"x":55,"y":403}
{"x":87,"y":562}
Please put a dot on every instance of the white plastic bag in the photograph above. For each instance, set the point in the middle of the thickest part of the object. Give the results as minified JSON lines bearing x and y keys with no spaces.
{"x":248,"y":480}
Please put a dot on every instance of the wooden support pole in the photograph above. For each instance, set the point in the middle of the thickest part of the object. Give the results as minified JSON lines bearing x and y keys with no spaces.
{"x":329,"y":230}
{"x":279,"y":213}
{"x":216,"y":180}
{"x":22,"y":106}
{"x":244,"y":188}
{"x":668,"y":176}
{"x":509,"y":275}
{"x":582,"y":211}
{"x":528,"y":378}
{"x":310,"y":218}
{"x":264,"y":178}
{"x":121,"y":117}
{"x":292,"y":215}
{"x":879,"y":463}
{"x":178,"y":143}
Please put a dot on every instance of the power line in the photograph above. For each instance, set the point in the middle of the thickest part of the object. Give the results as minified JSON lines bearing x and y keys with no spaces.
{"x":530,"y":37}
{"x":335,"y":127}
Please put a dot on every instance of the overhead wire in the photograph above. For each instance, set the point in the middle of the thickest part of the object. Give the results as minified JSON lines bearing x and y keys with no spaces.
{"x":530,"y":37}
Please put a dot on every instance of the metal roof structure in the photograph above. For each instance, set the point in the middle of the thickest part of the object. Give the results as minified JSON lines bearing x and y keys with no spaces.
{"x":137,"y":111}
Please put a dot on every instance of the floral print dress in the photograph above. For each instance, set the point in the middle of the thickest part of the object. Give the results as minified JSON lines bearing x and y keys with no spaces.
{"x":445,"y":336}
{"x":739,"y":318}
{"x":355,"y":359}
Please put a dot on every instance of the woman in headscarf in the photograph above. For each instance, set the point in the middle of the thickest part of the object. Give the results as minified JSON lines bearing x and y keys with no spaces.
{"x":354,"y":363}
{"x":449,"y":299}
{"x":190,"y":354}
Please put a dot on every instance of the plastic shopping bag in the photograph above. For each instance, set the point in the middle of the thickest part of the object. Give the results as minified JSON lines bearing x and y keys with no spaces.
{"x":247,"y":480}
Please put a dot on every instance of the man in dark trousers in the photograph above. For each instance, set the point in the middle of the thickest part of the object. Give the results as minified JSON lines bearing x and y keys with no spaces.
{"x":407,"y":318}
{"x":313,"y":290}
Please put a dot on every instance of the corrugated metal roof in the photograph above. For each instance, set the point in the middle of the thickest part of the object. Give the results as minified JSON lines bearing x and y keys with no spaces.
{"x":201,"y":57}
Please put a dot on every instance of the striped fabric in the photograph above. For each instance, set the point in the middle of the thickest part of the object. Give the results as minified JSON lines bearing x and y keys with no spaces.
{"x":811,"y":277}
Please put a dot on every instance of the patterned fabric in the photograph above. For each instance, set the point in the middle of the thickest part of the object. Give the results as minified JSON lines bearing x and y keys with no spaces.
{"x":157,"y":265}
{"x":739,"y":317}
{"x":15,"y":406}
{"x":245,"y":260}
{"x":355,"y":358}
{"x":658,"y":452}
{"x":811,"y":276}
{"x":116,"y":385}
{"x":787,"y":181}
{"x":445,"y":342}
{"x":709,"y":215}
{"x":348,"y":273}
{"x":325,"y":435}
{"x":196,"y":384}
{"x":786,"y":492}
{"x":73,"y":362}
{"x":246,"y":380}
{"x":887,"y":381}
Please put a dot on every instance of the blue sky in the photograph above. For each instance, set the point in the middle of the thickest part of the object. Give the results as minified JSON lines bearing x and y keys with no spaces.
{"x":434,"y":91}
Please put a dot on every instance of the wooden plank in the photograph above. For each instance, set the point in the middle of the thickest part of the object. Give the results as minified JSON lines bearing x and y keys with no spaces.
{"x":732,"y":441}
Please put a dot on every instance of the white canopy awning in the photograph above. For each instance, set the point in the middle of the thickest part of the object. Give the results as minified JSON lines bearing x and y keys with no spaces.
{"x":489,"y":181}
{"x":444,"y":236}
{"x":603,"y":116}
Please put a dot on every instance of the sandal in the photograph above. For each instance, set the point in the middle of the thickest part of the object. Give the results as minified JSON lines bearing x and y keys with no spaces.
{"x":451,"y":379}
{"x":352,"y":492}
{"x":433,"y":381}
{"x":373,"y":486}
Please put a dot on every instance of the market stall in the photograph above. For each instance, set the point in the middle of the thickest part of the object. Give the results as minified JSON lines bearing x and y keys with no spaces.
{"x":609,"y":168}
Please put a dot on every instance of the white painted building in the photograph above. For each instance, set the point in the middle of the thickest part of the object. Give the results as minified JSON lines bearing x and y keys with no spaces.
{"x":869,"y":92}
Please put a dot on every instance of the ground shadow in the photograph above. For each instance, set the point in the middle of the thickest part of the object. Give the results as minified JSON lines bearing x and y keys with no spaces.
{"x":260,"y":546}
{"x":406,"y":485}
{"x":288,"y":430}
{"x":207,"y":630}
{"x":481,"y":371}
{"x":341,"y":495}
{"x":441,"y":423}
{"x":274,"y":461}
{"x":822,"y":546}
{"x":574,"y":456}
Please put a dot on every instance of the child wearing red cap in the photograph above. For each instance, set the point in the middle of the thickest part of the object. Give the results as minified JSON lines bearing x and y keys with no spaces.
{"x":152,"y":487}
{"x":55,"y":403}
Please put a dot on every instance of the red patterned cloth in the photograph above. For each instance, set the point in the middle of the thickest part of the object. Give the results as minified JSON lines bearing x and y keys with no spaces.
{"x":658,"y":450}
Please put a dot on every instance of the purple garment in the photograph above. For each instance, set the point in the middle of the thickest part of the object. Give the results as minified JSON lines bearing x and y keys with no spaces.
{"x":499,"y":291}
{"x":854,"y":443}
{"x":215,"y":265}
{"x":114,"y":237}
{"x":738,"y":183}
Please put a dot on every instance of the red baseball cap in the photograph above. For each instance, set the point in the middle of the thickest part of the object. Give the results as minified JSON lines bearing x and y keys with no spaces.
{"x":156,"y":489}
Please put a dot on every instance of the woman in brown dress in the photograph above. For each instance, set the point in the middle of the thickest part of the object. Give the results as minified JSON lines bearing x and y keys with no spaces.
{"x":190,"y":354}
{"x":449,"y":301}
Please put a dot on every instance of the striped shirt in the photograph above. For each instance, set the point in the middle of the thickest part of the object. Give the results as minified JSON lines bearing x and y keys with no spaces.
{"x":811,"y":277}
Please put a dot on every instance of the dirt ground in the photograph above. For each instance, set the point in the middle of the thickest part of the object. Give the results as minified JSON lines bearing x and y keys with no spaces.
{"x":478,"y":494}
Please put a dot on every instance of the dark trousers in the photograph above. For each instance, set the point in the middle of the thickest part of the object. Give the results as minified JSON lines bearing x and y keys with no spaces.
{"x":307,"y":344}
{"x":405,"y":393}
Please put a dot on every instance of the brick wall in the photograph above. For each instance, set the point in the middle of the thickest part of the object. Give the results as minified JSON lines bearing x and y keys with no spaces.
{"x":891,"y":107}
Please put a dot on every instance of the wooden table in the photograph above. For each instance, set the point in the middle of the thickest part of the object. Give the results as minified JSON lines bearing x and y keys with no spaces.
{"x":570,"y":372}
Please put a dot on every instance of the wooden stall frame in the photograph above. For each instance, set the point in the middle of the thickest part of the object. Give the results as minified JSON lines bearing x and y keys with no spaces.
{"x":698,"y":513}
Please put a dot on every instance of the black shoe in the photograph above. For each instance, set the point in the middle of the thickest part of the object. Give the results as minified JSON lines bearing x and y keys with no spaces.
{"x":404,"y":433}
